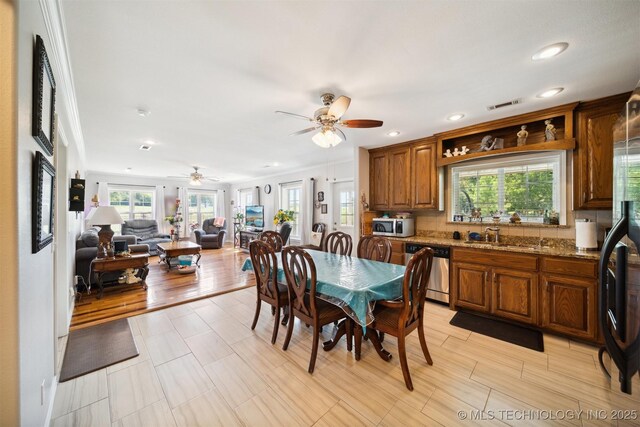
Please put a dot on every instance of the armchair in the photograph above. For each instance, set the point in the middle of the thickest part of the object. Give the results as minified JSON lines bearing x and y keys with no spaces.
{"x":210,"y":236}
{"x":146,"y":230}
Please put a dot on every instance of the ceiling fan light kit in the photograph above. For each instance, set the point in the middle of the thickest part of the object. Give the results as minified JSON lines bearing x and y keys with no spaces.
{"x":328,"y":117}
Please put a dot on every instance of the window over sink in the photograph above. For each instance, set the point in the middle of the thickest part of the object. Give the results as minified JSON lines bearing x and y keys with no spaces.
{"x":532,"y":185}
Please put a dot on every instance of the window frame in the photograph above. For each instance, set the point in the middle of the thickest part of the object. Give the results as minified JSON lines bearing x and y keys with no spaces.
{"x":510,"y":161}
{"x":131,"y":190}
{"x":199,"y":217}
{"x":295,"y":224}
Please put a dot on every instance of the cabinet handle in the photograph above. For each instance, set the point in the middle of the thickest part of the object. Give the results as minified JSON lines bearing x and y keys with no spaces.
{"x":494,"y":277}
{"x":432,"y":203}
{"x":584,"y":196}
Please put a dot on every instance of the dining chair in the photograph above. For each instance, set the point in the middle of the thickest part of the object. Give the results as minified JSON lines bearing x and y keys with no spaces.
{"x":300,"y":271}
{"x":374,"y":248}
{"x":399,"y":318}
{"x":265,"y":267}
{"x":272,"y":238}
{"x":338,"y":243}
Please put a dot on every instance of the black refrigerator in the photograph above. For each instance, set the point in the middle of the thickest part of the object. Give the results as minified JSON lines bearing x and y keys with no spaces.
{"x":619,"y":290}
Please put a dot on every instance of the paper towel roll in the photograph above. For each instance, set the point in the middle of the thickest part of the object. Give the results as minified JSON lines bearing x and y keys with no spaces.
{"x":586,"y":236}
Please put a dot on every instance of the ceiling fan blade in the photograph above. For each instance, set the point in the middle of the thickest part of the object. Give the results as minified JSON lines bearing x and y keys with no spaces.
{"x":179,"y":177}
{"x":362,"y":123}
{"x":296,"y":115}
{"x":344,"y":137}
{"x":212,"y":179}
{"x":300,"y":132}
{"x":339,"y":107}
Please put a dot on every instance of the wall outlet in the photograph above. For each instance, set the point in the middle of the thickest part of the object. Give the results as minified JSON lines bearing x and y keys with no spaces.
{"x":42,"y":393}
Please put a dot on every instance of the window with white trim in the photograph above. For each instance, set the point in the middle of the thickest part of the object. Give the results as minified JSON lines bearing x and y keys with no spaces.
{"x":132,"y":203}
{"x":347,"y":208}
{"x":529,"y":185}
{"x":201,"y":205}
{"x":245,"y":198}
{"x":290,"y":201}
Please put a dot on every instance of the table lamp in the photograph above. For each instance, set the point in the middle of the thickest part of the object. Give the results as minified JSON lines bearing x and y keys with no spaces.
{"x":103,"y":217}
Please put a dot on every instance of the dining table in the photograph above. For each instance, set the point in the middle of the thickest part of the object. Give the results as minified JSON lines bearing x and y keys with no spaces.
{"x":354,"y":284}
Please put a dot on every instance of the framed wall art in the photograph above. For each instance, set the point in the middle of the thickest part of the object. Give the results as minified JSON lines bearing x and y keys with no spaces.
{"x":43,"y":192}
{"x":44,"y":98}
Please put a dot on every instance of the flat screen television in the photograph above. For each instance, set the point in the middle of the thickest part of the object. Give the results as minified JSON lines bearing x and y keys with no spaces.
{"x":254,"y":216}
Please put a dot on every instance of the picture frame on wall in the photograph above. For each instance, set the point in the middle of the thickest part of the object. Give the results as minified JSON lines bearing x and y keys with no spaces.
{"x":43,"y":200}
{"x":323,"y":208}
{"x":44,"y":98}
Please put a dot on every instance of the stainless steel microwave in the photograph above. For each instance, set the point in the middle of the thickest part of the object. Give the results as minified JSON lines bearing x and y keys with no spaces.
{"x":395,"y":227}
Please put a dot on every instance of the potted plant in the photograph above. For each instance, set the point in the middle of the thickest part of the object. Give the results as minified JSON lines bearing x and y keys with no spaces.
{"x":281,"y":217}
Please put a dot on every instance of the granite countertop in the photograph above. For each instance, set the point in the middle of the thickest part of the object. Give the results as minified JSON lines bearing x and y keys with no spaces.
{"x":562,"y":251}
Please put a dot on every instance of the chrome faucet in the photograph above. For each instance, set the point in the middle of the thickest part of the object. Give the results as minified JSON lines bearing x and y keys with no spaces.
{"x":496,"y":230}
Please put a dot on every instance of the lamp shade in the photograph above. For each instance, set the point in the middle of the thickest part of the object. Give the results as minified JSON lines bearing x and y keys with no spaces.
{"x":326,"y":138}
{"x":105,"y":215}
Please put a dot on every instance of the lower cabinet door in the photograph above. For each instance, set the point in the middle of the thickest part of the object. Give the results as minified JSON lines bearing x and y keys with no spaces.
{"x":470,"y":286}
{"x":569,"y":305}
{"x":514,"y":295}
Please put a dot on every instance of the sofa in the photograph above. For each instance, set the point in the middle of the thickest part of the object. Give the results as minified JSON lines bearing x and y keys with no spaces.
{"x":87,"y":250}
{"x":210,"y":236}
{"x":146,"y":230}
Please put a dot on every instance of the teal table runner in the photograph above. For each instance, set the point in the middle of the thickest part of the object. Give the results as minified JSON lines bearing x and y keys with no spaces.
{"x":351,"y":283}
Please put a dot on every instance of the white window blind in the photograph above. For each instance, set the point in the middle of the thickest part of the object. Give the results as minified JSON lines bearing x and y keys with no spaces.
{"x":528,"y":185}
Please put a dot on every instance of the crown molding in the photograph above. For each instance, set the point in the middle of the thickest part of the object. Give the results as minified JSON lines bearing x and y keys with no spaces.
{"x":58,"y":53}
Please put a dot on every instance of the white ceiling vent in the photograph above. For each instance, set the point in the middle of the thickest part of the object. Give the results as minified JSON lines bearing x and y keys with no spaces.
{"x":505,"y":104}
{"x":144,"y":147}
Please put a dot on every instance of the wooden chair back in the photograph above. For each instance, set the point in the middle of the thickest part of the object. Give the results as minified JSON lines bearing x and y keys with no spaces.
{"x":375,"y":248}
{"x":338,"y":243}
{"x":273,"y":239}
{"x":300,"y":270}
{"x":265,"y":267}
{"x":414,"y":287}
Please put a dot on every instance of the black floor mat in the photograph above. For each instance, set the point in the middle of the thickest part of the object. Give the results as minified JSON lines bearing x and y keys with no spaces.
{"x":503,"y":331}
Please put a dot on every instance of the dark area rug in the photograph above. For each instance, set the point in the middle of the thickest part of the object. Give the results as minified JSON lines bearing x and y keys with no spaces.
{"x":96,"y":347}
{"x":513,"y":334}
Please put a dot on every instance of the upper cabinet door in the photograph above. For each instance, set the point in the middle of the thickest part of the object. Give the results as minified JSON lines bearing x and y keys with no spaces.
{"x":593,"y":156}
{"x":424,"y":179}
{"x":379,"y":180}
{"x":400,"y":178}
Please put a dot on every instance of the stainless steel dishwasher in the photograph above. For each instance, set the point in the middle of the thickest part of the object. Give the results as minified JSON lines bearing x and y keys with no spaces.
{"x":438,"y":287}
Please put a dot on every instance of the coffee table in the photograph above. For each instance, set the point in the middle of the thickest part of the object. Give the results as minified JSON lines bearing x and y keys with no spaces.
{"x":100,"y":266}
{"x":170,"y":250}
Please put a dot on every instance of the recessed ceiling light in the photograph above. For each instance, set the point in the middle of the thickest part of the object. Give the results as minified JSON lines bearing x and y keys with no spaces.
{"x":128,"y":169}
{"x":550,"y":51}
{"x":455,"y":117}
{"x":145,"y":147}
{"x":393,"y":133}
{"x":143,"y":112}
{"x":551,"y":92}
{"x":276,"y":164}
{"x":150,"y":142}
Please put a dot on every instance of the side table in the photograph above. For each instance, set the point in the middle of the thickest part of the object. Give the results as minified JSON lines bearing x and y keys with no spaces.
{"x":100,"y":266}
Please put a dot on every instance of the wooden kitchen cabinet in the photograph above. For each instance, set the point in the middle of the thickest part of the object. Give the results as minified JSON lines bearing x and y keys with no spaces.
{"x":593,"y":156}
{"x":379,"y":180}
{"x":470,"y":286}
{"x":424,"y":179}
{"x":400,"y":178}
{"x":514,"y":295}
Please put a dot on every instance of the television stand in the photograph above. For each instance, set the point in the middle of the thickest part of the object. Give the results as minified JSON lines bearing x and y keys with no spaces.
{"x":246,"y":237}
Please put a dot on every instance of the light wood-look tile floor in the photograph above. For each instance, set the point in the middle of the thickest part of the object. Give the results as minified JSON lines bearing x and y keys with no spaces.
{"x":201,"y":365}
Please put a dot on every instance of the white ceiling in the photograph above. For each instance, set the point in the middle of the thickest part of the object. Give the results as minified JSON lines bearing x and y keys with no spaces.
{"x":213,"y":73}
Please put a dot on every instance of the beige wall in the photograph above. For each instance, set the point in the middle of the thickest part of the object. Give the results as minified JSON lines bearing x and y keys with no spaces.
{"x":9,"y":355}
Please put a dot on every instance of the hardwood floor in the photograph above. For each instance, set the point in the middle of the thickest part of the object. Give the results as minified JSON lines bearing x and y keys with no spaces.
{"x":219,"y":272}
{"x":201,"y":365}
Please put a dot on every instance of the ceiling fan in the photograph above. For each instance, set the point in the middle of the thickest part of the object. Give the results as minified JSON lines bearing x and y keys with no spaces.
{"x":195,"y":177}
{"x":327,"y":120}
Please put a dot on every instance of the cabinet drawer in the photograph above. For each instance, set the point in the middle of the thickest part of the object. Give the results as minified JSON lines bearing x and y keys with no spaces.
{"x":570,"y":266}
{"x":495,"y":258}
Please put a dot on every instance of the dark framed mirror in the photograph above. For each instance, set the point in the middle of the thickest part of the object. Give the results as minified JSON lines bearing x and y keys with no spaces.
{"x":44,"y":176}
{"x":44,"y":98}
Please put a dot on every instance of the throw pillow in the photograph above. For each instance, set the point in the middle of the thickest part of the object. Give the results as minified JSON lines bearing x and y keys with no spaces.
{"x":218,"y":221}
{"x":316,"y":238}
{"x":90,"y":238}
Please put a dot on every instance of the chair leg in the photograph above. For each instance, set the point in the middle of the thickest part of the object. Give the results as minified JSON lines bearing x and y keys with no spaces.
{"x":358,"y":340}
{"x":423,"y":344}
{"x":349,"y":332}
{"x":255,"y":318}
{"x":314,"y":348}
{"x":289,"y":331}
{"x":273,"y":310}
{"x":276,"y":323}
{"x":285,"y":318}
{"x":402,"y":353}
{"x":381,"y":337}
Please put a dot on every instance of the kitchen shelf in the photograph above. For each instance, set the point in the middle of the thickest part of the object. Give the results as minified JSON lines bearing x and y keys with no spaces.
{"x":565,"y":144}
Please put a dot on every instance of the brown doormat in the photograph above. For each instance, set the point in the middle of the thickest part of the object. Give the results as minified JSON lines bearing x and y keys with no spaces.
{"x":96,"y":347}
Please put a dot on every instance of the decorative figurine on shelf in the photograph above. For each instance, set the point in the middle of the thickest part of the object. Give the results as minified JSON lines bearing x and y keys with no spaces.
{"x":487,"y":143}
{"x":464,"y":150}
{"x":522,"y":136}
{"x":515,"y":218}
{"x":448,"y":153}
{"x":476,"y":214}
{"x":456,"y":153}
{"x":550,"y":131}
{"x":496,"y":215}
